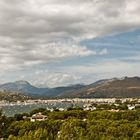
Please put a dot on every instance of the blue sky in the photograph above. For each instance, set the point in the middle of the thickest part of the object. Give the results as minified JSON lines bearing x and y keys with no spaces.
{"x":63,"y":43}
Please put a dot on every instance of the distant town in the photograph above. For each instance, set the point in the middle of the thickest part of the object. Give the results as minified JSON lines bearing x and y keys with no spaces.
{"x":68,"y":100}
{"x":74,"y":101}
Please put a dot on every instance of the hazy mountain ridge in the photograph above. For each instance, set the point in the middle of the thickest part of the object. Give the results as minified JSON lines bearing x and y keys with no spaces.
{"x":30,"y":90}
{"x":22,"y":86}
{"x":116,"y":87}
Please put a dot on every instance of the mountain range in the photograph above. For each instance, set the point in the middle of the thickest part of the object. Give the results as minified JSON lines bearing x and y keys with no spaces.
{"x":107,"y":88}
{"x":26,"y":88}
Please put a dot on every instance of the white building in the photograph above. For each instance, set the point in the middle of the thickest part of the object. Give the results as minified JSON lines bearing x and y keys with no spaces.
{"x":38,"y":117}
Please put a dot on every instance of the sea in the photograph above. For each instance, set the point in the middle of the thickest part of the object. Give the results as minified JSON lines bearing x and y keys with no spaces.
{"x":11,"y":110}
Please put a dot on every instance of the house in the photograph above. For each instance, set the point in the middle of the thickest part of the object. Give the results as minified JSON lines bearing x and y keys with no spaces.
{"x":131,"y":107}
{"x":38,"y":117}
{"x":89,"y":107}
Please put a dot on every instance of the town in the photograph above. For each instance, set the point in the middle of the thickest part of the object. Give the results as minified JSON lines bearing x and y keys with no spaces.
{"x":86,"y":104}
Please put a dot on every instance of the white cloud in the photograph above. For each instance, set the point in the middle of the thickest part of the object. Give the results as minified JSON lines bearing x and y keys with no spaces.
{"x":52,"y":20}
{"x":38,"y":32}
{"x":43,"y":78}
{"x":59,"y":50}
{"x":81,"y":74}
{"x":19,"y":57}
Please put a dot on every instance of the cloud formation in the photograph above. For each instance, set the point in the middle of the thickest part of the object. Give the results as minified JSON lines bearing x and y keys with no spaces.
{"x":19,"y":57}
{"x":51,"y":79}
{"x":53,"y":19}
{"x":38,"y":32}
{"x":81,"y":74}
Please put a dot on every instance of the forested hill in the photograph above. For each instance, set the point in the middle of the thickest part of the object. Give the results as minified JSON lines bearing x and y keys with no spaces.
{"x":74,"y":124}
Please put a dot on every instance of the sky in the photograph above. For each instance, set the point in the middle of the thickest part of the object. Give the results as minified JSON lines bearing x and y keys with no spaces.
{"x":54,"y":43}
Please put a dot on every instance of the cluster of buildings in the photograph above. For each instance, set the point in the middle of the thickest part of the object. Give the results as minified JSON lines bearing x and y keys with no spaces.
{"x":68,"y":100}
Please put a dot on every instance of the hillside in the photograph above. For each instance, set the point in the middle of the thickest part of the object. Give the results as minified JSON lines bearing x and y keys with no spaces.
{"x":23,"y":87}
{"x":12,"y":96}
{"x":124,"y":87}
{"x":27,"y":89}
{"x":108,"y":88}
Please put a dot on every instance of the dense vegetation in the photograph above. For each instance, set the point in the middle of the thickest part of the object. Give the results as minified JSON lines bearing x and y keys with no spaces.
{"x":73,"y":124}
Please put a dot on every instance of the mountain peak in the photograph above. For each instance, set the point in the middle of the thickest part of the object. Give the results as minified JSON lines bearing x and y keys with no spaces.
{"x":22,"y":82}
